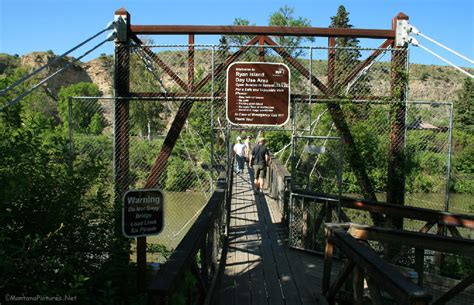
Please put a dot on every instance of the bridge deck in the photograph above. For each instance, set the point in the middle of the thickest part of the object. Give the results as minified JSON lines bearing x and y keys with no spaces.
{"x":260,"y":268}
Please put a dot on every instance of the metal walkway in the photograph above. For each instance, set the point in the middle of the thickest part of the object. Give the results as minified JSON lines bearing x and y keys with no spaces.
{"x":260,"y":268}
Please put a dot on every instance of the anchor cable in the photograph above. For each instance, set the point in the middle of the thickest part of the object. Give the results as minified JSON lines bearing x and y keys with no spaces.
{"x":18,"y":98}
{"x":415,"y":31}
{"x":55,"y":60}
{"x":415,"y":43}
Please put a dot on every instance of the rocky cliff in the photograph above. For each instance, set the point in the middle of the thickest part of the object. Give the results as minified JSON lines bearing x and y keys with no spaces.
{"x":426,"y":82}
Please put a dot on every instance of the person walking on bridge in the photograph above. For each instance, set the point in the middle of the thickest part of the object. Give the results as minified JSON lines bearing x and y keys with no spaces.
{"x":260,"y":159}
{"x":239,"y":150}
{"x":248,"y":150}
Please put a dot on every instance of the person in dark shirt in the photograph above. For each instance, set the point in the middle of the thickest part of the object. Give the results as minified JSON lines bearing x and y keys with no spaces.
{"x":259,"y":159}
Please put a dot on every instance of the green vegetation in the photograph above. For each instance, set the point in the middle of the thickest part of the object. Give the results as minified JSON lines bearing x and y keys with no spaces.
{"x":463,"y":141}
{"x":59,"y":224}
{"x":8,"y":62}
{"x":58,"y":221}
{"x":284,"y":16}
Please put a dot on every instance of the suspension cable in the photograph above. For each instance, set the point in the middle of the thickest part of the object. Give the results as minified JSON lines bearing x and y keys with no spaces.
{"x":319,"y":155}
{"x":415,"y":31}
{"x":311,"y":130}
{"x":415,"y":42}
{"x":18,"y":98}
{"x":55,"y":60}
{"x":364,"y":71}
{"x":149,"y":66}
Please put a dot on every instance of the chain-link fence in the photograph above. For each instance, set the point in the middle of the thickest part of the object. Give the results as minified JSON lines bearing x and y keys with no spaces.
{"x":316,"y":167}
{"x":331,"y":93}
{"x":178,"y":139}
{"x":389,"y":145}
{"x":185,"y":179}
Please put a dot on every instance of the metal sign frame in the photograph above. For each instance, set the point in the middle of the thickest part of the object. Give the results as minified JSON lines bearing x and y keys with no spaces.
{"x":288,"y":101}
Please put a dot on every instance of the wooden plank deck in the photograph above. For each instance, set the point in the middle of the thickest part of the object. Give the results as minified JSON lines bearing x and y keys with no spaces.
{"x":260,"y":268}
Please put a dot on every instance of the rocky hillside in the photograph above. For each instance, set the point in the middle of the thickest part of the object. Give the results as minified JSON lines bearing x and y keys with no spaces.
{"x":98,"y":71}
{"x":427,"y":82}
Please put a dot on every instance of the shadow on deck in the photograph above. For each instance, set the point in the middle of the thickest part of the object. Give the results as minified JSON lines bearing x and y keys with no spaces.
{"x":256,"y":266}
{"x":260,"y":268}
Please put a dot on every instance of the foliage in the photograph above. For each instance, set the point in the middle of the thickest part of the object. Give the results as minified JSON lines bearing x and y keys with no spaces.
{"x":277,"y":140}
{"x":285,"y":17}
{"x":57,"y":220}
{"x":186,"y":289}
{"x":346,"y":57}
{"x":161,"y":249}
{"x":86,"y":115}
{"x":179,"y":175}
{"x":9,"y":63}
{"x":146,"y":116}
{"x":238,"y":40}
{"x":458,"y":267}
{"x":464,"y":107}
{"x":142,"y":156}
{"x":36,"y":105}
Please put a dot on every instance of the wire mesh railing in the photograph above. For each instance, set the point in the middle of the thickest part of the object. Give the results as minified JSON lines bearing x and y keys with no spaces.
{"x":182,"y":89}
{"x":363,"y":83}
{"x":185,"y":180}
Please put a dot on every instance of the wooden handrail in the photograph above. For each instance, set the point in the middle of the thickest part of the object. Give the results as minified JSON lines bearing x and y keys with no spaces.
{"x":410,"y":212}
{"x":418,"y":241}
{"x":381,"y":272}
{"x":167,"y":278}
{"x":446,"y":244}
{"x":280,"y":168}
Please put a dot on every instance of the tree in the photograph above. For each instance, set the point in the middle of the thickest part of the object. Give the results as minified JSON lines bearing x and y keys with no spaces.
{"x":146,"y":116}
{"x":464,"y":107}
{"x":346,"y":56}
{"x":83,"y":110}
{"x":341,"y":20}
{"x":37,"y":104}
{"x":239,"y":39}
{"x":56,"y":225}
{"x":284,"y":17}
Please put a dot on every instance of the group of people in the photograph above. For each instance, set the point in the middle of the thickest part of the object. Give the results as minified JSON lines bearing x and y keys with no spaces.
{"x":256,"y":157}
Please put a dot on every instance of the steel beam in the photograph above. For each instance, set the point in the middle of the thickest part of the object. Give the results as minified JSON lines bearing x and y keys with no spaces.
{"x":260,"y":30}
{"x":396,"y":157}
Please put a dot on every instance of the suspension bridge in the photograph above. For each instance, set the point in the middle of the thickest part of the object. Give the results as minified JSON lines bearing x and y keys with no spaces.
{"x":305,"y":240}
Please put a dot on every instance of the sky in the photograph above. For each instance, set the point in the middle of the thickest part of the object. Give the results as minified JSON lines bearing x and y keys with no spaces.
{"x":58,"y":25}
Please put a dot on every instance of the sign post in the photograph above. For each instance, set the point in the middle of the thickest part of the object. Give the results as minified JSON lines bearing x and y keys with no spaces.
{"x":142,"y":215}
{"x":258,"y":94}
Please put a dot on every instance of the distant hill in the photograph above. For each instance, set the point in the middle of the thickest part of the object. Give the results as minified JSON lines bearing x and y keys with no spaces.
{"x":98,"y":70}
{"x":426,"y":82}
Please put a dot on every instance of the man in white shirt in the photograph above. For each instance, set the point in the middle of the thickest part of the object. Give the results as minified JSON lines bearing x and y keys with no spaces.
{"x":239,"y":150}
